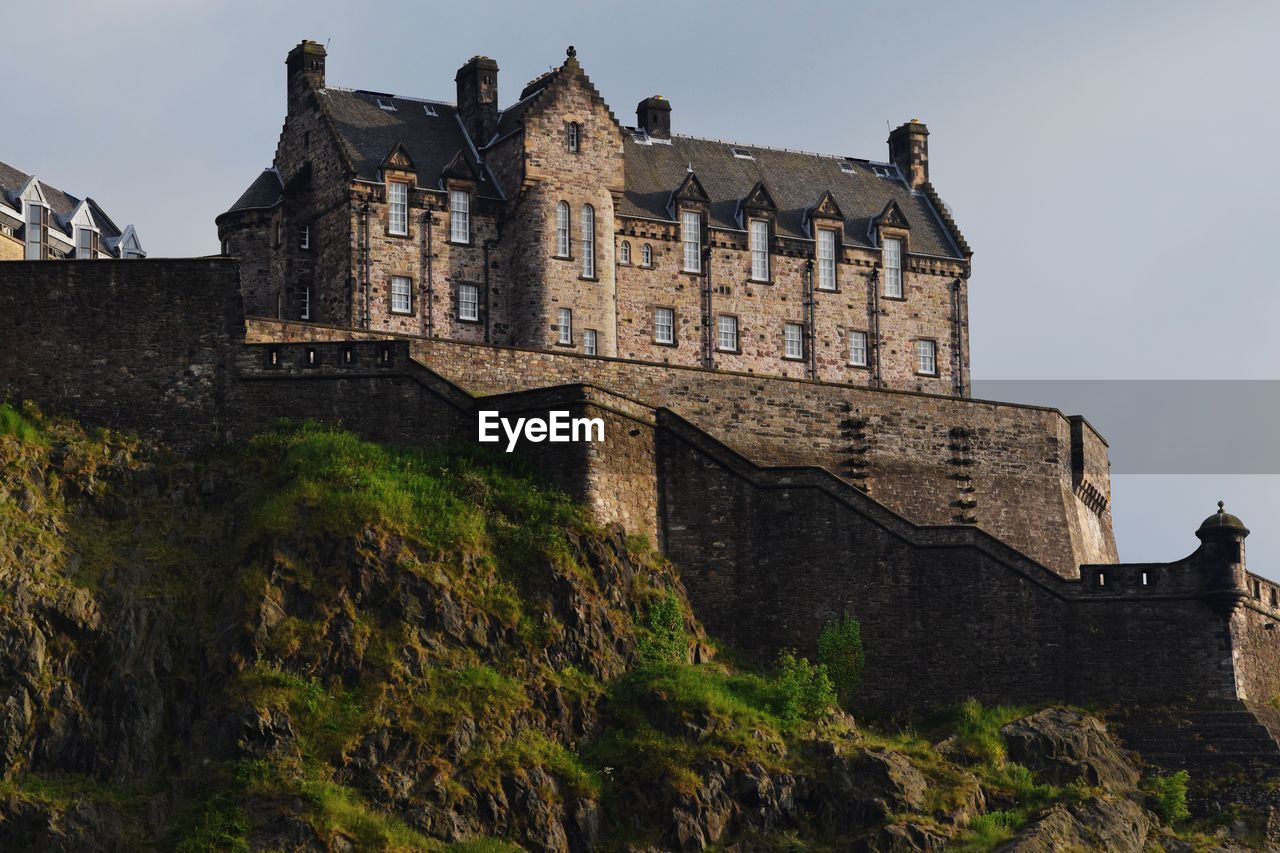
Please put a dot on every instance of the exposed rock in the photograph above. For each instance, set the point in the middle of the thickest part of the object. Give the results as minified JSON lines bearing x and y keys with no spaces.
{"x":1063,"y":746}
{"x":1105,"y":822}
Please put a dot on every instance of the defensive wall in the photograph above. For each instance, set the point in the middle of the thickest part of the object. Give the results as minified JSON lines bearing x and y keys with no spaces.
{"x":768,"y":550}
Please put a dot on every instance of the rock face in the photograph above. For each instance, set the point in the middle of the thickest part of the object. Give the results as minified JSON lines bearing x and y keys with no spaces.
{"x":1105,"y":822}
{"x":1064,"y":746}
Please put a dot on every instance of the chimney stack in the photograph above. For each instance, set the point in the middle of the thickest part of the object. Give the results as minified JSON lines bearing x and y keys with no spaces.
{"x":304,"y":68}
{"x":653,"y":116}
{"x":909,"y":149}
{"x":478,"y":98}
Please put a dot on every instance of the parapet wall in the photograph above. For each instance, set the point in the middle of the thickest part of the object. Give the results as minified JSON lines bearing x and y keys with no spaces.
{"x":1025,"y":474}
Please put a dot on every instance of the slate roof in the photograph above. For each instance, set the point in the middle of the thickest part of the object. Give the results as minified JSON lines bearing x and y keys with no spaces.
{"x":61,"y":204}
{"x":795,"y":180}
{"x":370,"y":132}
{"x":265,"y":191}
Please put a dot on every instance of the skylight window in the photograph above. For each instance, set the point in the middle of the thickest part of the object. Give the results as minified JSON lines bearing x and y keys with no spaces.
{"x":742,"y":154}
{"x":428,"y":109}
{"x":846,"y":167}
{"x":886,"y":171}
{"x":385,"y":104}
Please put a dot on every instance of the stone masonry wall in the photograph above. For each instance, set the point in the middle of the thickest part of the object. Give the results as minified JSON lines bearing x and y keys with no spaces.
{"x":937,"y":460}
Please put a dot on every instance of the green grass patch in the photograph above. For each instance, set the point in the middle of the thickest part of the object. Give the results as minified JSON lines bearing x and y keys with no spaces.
{"x":18,"y":425}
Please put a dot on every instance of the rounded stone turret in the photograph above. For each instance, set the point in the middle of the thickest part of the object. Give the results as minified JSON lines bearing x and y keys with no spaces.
{"x":1221,"y":524}
{"x":1222,"y":554}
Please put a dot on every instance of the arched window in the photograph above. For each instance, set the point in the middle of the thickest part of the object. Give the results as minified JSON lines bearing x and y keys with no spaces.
{"x":646,"y":255}
{"x":624,"y":252}
{"x":562,"y":229}
{"x":588,"y":241}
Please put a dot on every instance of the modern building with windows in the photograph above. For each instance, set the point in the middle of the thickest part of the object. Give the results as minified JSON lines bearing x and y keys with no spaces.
{"x":40,"y":222}
{"x":551,"y":225}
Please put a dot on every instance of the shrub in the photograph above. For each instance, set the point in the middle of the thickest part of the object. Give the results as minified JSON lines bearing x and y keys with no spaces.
{"x":804,"y":689}
{"x":663,"y":638}
{"x":1171,"y":797}
{"x":840,"y":651}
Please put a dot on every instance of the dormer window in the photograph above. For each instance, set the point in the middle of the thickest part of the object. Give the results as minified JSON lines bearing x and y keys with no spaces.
{"x":573,"y":136}
{"x":385,"y":104}
{"x":86,"y":244}
{"x":37,"y":220}
{"x":742,"y":153}
{"x":397,"y":208}
{"x":759,"y":235}
{"x":691,"y":239}
{"x":459,"y":216}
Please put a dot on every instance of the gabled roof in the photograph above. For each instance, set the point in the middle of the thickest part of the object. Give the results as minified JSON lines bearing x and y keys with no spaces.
{"x":431,"y":142}
{"x":796,"y":181}
{"x":62,"y":205}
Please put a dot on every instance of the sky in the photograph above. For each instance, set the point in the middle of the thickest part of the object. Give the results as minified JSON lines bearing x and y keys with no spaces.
{"x":1113,"y":164}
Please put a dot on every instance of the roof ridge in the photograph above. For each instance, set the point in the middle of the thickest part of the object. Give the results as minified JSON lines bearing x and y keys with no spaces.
{"x":762,"y":147}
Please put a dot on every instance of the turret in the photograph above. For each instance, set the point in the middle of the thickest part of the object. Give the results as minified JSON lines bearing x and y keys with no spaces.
{"x":1222,"y":555}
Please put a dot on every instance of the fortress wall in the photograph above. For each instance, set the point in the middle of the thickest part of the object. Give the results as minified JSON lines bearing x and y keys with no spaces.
{"x":1255,"y":649}
{"x":138,"y":343}
{"x":936,"y":460}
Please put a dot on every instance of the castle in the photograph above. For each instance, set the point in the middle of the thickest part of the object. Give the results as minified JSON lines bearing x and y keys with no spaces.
{"x":549,"y":224}
{"x":971,"y":538}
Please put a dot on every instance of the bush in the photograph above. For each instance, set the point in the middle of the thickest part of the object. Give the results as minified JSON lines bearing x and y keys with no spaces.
{"x":804,"y":689}
{"x":663,"y":638}
{"x":840,"y":651}
{"x":1171,"y":797}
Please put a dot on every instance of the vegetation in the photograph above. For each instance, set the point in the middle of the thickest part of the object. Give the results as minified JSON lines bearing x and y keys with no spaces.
{"x":840,"y":651}
{"x":662,"y":638}
{"x":1171,"y":797}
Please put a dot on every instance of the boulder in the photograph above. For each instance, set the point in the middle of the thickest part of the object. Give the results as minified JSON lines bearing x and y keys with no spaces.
{"x":1064,"y":746}
{"x":1105,"y":822}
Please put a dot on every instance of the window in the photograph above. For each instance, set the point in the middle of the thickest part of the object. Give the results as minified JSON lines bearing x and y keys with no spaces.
{"x":401,"y":296}
{"x":573,"y":134}
{"x":691,"y":236}
{"x":468,"y":302}
{"x":37,"y":217}
{"x":589,"y":341}
{"x":646,"y":255}
{"x":588,"y":241}
{"x":741,"y":153}
{"x":562,"y":229}
{"x":385,"y":104}
{"x":664,"y":325}
{"x":826,"y":259}
{"x":566,"y":326}
{"x":727,"y":326}
{"x":846,"y":167}
{"x":86,"y":243}
{"x":305,"y":313}
{"x":430,"y":110}
{"x":793,"y":340}
{"x":927,"y":357}
{"x":459,"y":216}
{"x":858,"y":349}
{"x":304,"y":237}
{"x":624,"y":253}
{"x":893,"y":268}
{"x":398,"y":207}
{"x":760,"y":249}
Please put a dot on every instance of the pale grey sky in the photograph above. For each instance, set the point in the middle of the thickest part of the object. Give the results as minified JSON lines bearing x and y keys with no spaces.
{"x":1111,"y":163}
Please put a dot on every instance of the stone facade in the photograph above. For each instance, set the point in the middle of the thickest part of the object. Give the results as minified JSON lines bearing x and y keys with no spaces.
{"x":570,"y":211}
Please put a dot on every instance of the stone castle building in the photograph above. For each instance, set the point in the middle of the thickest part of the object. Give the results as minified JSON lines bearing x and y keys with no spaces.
{"x":41,"y":222}
{"x":551,"y":225}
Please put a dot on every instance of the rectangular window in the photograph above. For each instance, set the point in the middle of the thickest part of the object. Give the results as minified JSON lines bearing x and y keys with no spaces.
{"x":589,"y":341}
{"x":562,"y":230}
{"x":691,"y":236}
{"x":760,"y":250}
{"x":727,"y":328}
{"x":664,"y":325}
{"x":826,"y":259}
{"x":858,"y":349}
{"x":305,"y":313}
{"x":398,"y":207}
{"x":588,"y":241}
{"x":86,"y":243}
{"x":927,"y":357}
{"x":304,"y":237}
{"x":34,"y":236}
{"x":793,"y":340}
{"x":459,"y":216}
{"x":566,"y":326}
{"x":893,"y":268}
{"x":575,"y":133}
{"x":401,"y":295}
{"x":468,"y":302}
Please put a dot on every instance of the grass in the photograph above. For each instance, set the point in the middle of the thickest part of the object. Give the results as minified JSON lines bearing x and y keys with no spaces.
{"x":20,"y":426}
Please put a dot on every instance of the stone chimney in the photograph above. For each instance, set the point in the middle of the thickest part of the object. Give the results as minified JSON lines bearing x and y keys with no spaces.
{"x":909,"y":149}
{"x":304,"y":69}
{"x":653,"y":116}
{"x":478,"y":98}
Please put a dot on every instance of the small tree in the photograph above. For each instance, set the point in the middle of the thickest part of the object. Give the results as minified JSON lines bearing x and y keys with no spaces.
{"x":804,"y":690}
{"x":840,"y":650}
{"x":663,"y":638}
{"x":1171,"y":797}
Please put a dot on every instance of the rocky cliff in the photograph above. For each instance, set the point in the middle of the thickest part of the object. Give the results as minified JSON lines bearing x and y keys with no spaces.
{"x":311,"y":642}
